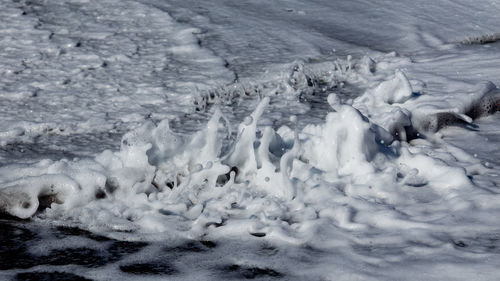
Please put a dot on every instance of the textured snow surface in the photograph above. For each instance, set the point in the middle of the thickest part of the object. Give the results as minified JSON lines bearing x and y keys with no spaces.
{"x":345,"y":140}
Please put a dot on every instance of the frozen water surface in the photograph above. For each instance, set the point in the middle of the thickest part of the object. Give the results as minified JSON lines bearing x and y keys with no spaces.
{"x":318,"y":140}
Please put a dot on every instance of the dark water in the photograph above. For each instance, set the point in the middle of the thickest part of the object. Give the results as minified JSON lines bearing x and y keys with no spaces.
{"x":23,"y":256}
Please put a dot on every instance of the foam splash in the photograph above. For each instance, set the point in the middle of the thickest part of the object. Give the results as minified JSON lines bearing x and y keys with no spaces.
{"x":362,"y":168}
{"x":280,"y":184}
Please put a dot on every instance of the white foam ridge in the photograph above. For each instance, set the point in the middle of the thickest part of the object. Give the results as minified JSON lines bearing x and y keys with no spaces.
{"x":283,"y":184}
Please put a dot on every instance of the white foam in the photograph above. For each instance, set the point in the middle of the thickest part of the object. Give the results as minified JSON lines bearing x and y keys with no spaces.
{"x":66,"y":71}
{"x":329,"y":166}
{"x":340,"y":156}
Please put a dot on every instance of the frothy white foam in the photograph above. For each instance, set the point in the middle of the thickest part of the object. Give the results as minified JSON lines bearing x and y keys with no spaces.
{"x":279,"y":183}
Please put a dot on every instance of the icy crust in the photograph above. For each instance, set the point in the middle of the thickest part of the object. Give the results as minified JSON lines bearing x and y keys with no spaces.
{"x":280,"y":184}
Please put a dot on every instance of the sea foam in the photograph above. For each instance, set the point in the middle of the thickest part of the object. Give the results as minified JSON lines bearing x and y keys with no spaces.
{"x":269,"y":182}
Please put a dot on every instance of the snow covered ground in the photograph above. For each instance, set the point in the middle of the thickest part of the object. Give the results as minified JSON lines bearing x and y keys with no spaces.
{"x":318,"y":140}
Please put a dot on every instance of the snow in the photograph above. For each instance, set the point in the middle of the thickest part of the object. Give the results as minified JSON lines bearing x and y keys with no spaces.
{"x":357,"y":139}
